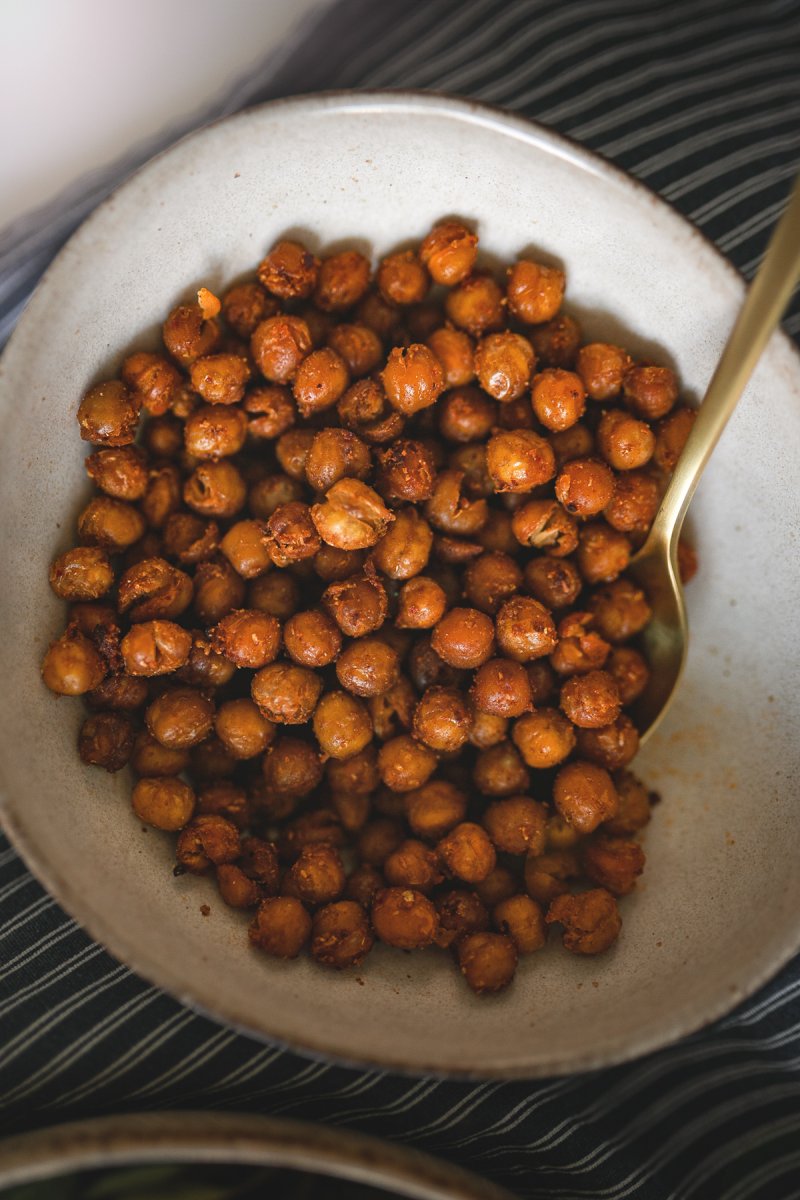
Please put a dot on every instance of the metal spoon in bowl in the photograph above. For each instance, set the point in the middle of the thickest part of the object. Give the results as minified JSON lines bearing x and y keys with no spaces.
{"x":655,"y":566}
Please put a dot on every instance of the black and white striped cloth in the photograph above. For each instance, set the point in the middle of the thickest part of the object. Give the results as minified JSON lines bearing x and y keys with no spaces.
{"x":700,"y":99}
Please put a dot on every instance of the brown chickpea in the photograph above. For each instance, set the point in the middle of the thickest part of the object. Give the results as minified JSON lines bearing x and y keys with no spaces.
{"x":516,"y":825}
{"x":602,"y":368}
{"x":413,"y":865}
{"x":591,"y":921}
{"x":189,"y":538}
{"x":499,"y":771}
{"x":363,"y":885}
{"x":247,"y":638}
{"x":464,"y":638}
{"x":487,"y":730}
{"x":634,"y":503}
{"x":316,"y":876}
{"x":213,"y":431}
{"x":470,"y":460}
{"x":435,"y":808}
{"x":404,"y":918}
{"x":320,"y":825}
{"x":289,"y":271}
{"x":285,"y":693}
{"x":611,"y":746}
{"x":556,"y":342}
{"x":149,"y":757}
{"x":340,"y":935}
{"x":460,"y":912}
{"x":277,"y":594}
{"x":271,"y":492}
{"x":215,"y":489}
{"x":352,"y":516}
{"x":624,"y":442}
{"x":402,"y":278}
{"x":524,"y":629}
{"x":342,"y":725}
{"x":357,"y":775}
{"x":497,"y":535}
{"x":613,"y":863}
{"x":534,"y":291}
{"x":119,"y":471}
{"x":312,"y":639}
{"x":465,"y":414}
{"x":270,"y":411}
{"x":503,"y":364}
{"x":352,"y":810}
{"x":236,"y":890}
{"x":634,"y":806}
{"x":162,"y":495}
{"x":590,"y":700}
{"x":542,"y":680}
{"x":84,"y":573}
{"x":155,"y":648}
{"x":152,"y":379}
{"x":332,"y":564}
{"x":475,"y":305}
{"x":421,"y":602}
{"x":516,"y":414}
{"x":603,"y":552}
{"x":110,"y":524}
{"x":368,"y":667}
{"x":393,"y":710}
{"x":620,"y":610}
{"x":365,"y":410}
{"x":218,"y":590}
{"x":522,"y":919}
{"x":281,"y":927}
{"x":106,"y":740}
{"x":291,"y":534}
{"x":487,"y":961}
{"x":334,"y":454}
{"x":220,"y":378}
{"x":498,"y":885}
{"x":242,"y":729}
{"x":547,"y":875}
{"x":629,"y":671}
{"x":162,"y":437}
{"x":455,"y":352}
{"x":412,"y":378}
{"x":377,"y":840}
{"x":343,"y":280}
{"x":671,"y":436}
{"x":405,"y":764}
{"x":449,"y":252}
{"x":245,"y":306}
{"x":554,"y":582}
{"x":559,"y":835}
{"x":246,"y":547}
{"x":584,"y":486}
{"x":406,"y":472}
{"x":544,"y":525}
{"x":576,"y":442}
{"x":558,"y":398}
{"x":163,"y":802}
{"x":544,"y":738}
{"x":519,"y":460}
{"x":278,"y":345}
{"x":650,"y":391}
{"x":358,"y":605}
{"x":580,"y":648}
{"x":180,"y":718}
{"x":109,"y":414}
{"x":224,"y":799}
{"x":467,"y":853}
{"x":584,"y":796}
{"x":152,"y":589}
{"x":404,"y":549}
{"x":490,"y":580}
{"x":442,"y":719}
{"x":450,"y":511}
{"x":207,"y":840}
{"x":380,"y":315}
{"x":501,"y":688}
{"x":192,"y":330}
{"x":320,"y":381}
{"x":119,"y":693}
{"x":204,"y":669}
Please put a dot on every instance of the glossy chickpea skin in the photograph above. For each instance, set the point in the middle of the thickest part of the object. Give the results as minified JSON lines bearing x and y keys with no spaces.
{"x":464,"y":638}
{"x":289,"y":271}
{"x":406,"y":472}
{"x":455,"y":352}
{"x":421,"y":603}
{"x":358,"y":605}
{"x":413,"y":865}
{"x":180,"y":718}
{"x":467,"y":852}
{"x":545,"y":525}
{"x":585,"y":486}
{"x":519,"y":460}
{"x":611,"y":746}
{"x":558,"y":398}
{"x":155,"y":648}
{"x":242,"y":728}
{"x":317,"y":875}
{"x":503,"y":364}
{"x":487,"y":961}
{"x":352,"y":516}
{"x":368,"y":667}
{"x":449,"y":252}
{"x":650,"y":392}
{"x":442,"y":719}
{"x":544,"y":737}
{"x":412,"y":378}
{"x":602,"y":368}
{"x":585,"y":796}
{"x":465,"y":414}
{"x":405,"y":764}
{"x":109,"y":414}
{"x":119,"y":471}
{"x":490,"y":580}
{"x":500,"y":771}
{"x":525,"y":629}
{"x":629,"y":671}
{"x":247,"y":638}
{"x":84,"y":573}
{"x":163,"y":802}
{"x":475,"y":304}
{"x":501,"y":688}
{"x":435,"y":808}
{"x":556,"y":583}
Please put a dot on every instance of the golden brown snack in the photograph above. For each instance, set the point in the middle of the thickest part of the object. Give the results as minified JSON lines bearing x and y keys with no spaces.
{"x":404,"y":918}
{"x":591,"y":921}
{"x":487,"y":961}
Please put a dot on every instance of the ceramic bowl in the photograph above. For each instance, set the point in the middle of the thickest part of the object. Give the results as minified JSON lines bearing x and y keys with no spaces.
{"x":237,"y":1140}
{"x":716,"y":913}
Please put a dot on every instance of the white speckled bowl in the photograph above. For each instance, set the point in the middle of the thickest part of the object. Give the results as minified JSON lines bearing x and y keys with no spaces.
{"x":716,"y":913}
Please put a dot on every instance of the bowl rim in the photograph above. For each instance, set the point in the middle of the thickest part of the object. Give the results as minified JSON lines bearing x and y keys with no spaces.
{"x":160,"y":973}
{"x":242,"y":1139}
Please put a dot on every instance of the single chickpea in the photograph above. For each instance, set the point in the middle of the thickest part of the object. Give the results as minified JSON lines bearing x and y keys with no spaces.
{"x":246,"y":547}
{"x":405,"y":764}
{"x":490,"y":580}
{"x":220,"y":378}
{"x":556,"y":342}
{"x":504,"y":363}
{"x":404,"y":918}
{"x":247,"y":638}
{"x":270,"y":411}
{"x":368,"y":667}
{"x":245,"y":306}
{"x":584,"y":486}
{"x":449,"y":252}
{"x":340,"y":935}
{"x":602,"y":368}
{"x":558,"y":398}
{"x":335,"y":454}
{"x":363,"y":885}
{"x":651,"y":392}
{"x":611,"y":746}
{"x":498,"y":885}
{"x":277,"y":594}
{"x":413,"y":865}
{"x":357,"y":775}
{"x":292,"y":767}
{"x":155,"y":648}
{"x":259,"y":861}
{"x":189,"y":538}
{"x":450,"y":511}
{"x":149,"y":757}
{"x":214,"y":431}
{"x":603,"y":552}
{"x":380,"y":315}
{"x":242,"y":728}
{"x":180,"y":718}
{"x":455,"y":352}
{"x":629,"y":671}
{"x":406,"y":472}
{"x":110,"y":524}
{"x":620,"y":610}
{"x":332,"y":564}
{"x":163,"y":802}
{"x":421,"y":602}
{"x":500,"y":771}
{"x":291,"y":534}
{"x":554,"y":582}
{"x":404,"y":548}
{"x":501,"y":688}
{"x":342,"y":725}
{"x":487,"y":961}
{"x":278,"y":345}
{"x":591,"y":921}
{"x":624,"y":442}
{"x":153,"y":380}
{"x":162,"y":495}
{"x":352,"y":516}
{"x":223,"y":798}
{"x":475,"y":305}
{"x":343,"y":281}
{"x":544,"y":738}
{"x":352,"y":810}
{"x":634,"y":810}
{"x":215,"y":489}
{"x":109,"y":414}
{"x":516,"y":825}
{"x":465,"y":414}
{"x":320,"y":380}
{"x":394,"y":710}
{"x":289,"y":271}
{"x":534,"y":291}
{"x":316,"y":876}
{"x":312,"y":639}
{"x":162,"y":437}
{"x":575,"y":442}
{"x":218,"y":590}
{"x":84,"y":573}
{"x":519,"y":460}
{"x":236,"y":890}
{"x":435,"y":808}
{"x":542,"y":680}
{"x":464,"y":638}
{"x":281,"y":927}
{"x":119,"y":693}
{"x":547,"y":875}
{"x":192,"y":330}
{"x":487,"y":730}
{"x":590,"y":700}
{"x":525,"y":629}
{"x":412,"y":378}
{"x":580,"y":648}
{"x":119,"y":471}
{"x":544,"y":525}
{"x":358,"y":605}
{"x":442,"y":719}
{"x":206,"y":840}
{"x":634,"y":503}
{"x":496,"y":535}
{"x":467,"y":853}
{"x":106,"y":740}
{"x":285,"y":693}
{"x":671,"y":436}
{"x":460,"y":912}
{"x":521,"y":919}
{"x":402,"y":278}
{"x":585,"y":796}
{"x":267,"y":495}
{"x":152,"y":589}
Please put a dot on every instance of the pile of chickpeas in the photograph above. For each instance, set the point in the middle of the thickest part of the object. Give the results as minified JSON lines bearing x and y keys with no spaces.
{"x":351,"y":602}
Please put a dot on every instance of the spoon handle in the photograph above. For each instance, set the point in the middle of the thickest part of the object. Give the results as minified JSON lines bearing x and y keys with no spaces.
{"x":764,"y":303}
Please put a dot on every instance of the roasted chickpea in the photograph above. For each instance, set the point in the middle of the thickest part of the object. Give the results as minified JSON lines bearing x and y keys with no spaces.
{"x":585,"y":796}
{"x":580,"y":648}
{"x":155,"y":648}
{"x":163,"y":802}
{"x":650,"y":392}
{"x":357,"y":775}
{"x":575,"y":442}
{"x":209,"y":761}
{"x":404,"y":918}
{"x":343,"y":280}
{"x":153,"y":588}
{"x":213,"y":431}
{"x":556,"y":342}
{"x":316,"y":876}
{"x":236,"y":890}
{"x":450,"y":511}
{"x":281,"y":927}
{"x":162,"y":496}
{"x":534,"y":291}
{"x":358,"y":605}
{"x":548,"y":875}
{"x":620,"y":610}
{"x":162,"y":437}
{"x":109,"y":414}
{"x":152,"y":379}
{"x":629,"y":671}
{"x":277,"y":594}
{"x":334,"y":454}
{"x":292,"y":767}
{"x":602,"y":368}
{"x":591,"y":921}
{"x":149,"y":757}
{"x":585,"y":486}
{"x":119,"y":693}
{"x":624,"y":442}
{"x":270,"y":411}
{"x":340,"y":935}
{"x":522,"y":919}
{"x":435,"y":808}
{"x":487,"y":961}
{"x":634,"y":806}
{"x":603,"y":552}
{"x":634,"y":502}
{"x":412,"y":378}
{"x":490,"y":580}
{"x":558,"y":398}
{"x":545,"y":525}
{"x":84,"y":573}
{"x":189,"y":538}
{"x":378,"y":839}
{"x":464,"y":638}
{"x":222,"y":798}
{"x":475,"y":304}
{"x":247,"y":638}
{"x":449,"y":252}
{"x":192,"y":330}
{"x":402,"y":278}
{"x":554,"y":582}
{"x":611,"y":746}
{"x":245,"y":306}
{"x":467,"y":853}
{"x":671,"y":436}
{"x":501,"y":688}
{"x":215,"y":489}
{"x":524,"y":629}
{"x":352,"y":811}
{"x":312,"y":639}
{"x":207,"y":840}
{"x":590,"y":700}
{"x":320,"y":380}
{"x":487,"y":730}
{"x":460,"y":912}
{"x":217,"y":591}
{"x":406,"y":472}
{"x":269,"y":493}
{"x":342,"y":725}
{"x":220,"y":378}
{"x":246,"y":547}
{"x":286,"y":694}
{"x":352,"y":516}
{"x":242,"y":728}
{"x":119,"y":471}
{"x":405,"y":764}
{"x":363,"y":885}
{"x":516,"y":825}
{"x":455,"y":352}
{"x":519,"y":460}
{"x":413,"y":865}
{"x":442,"y":719}
{"x":291,"y":534}
{"x":498,"y":885}
{"x":393,"y":710}
{"x":106,"y":740}
{"x":111,"y":524}
{"x":542,"y":680}
{"x":499,"y":771}
{"x":180,"y":718}
{"x":279,"y":344}
{"x":368,"y":667}
{"x":466,"y":414}
{"x":544,"y":738}
{"x":289,"y":271}
{"x":332,"y":564}
{"x":504,"y":363}
{"x":421,"y":603}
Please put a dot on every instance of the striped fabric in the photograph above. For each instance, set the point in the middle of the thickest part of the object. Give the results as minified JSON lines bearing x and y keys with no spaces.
{"x":701,"y":99}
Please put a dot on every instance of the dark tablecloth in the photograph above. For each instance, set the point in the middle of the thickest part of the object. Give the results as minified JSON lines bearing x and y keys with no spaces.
{"x":701,"y":99}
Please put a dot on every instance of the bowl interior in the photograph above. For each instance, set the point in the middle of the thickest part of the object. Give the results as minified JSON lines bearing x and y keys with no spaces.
{"x":375,"y":172}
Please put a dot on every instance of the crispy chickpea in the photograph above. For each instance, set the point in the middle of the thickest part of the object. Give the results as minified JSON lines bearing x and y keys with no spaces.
{"x":487,"y":961}
{"x":405,"y":764}
{"x":289,"y":271}
{"x":559,"y":835}
{"x":119,"y":471}
{"x":84,"y":573}
{"x":352,"y":516}
{"x":163,"y":436}
{"x":270,"y":492}
{"x":320,"y":381}
{"x":153,"y":588}
{"x":442,"y":719}
{"x":576,"y":442}
{"x":217,"y":591}
{"x":380,"y":315}
{"x":542,"y":680}
{"x":624,"y":442}
{"x":352,"y":810}
{"x":449,"y":252}
{"x":671,"y":436}
{"x":548,"y":875}
{"x":119,"y":693}
{"x":554,"y":582}
{"x":152,"y":379}
{"x":109,"y":414}
{"x":556,"y":342}
{"x":277,"y":594}
{"x":650,"y":392}
{"x":525,"y":629}
{"x":191,"y":330}
{"x":286,"y":694}
{"x":155,"y":648}
{"x":611,"y":746}
{"x":634,"y":806}
{"x":412,"y":378}
{"x":247,"y":638}
{"x":534,"y":291}
{"x":499,"y":771}
{"x":467,"y":853}
{"x":465,"y":414}
{"x":106,"y":740}
{"x":516,"y":825}
{"x":246,"y":547}
{"x":404,"y":918}
{"x":245,"y":306}
{"x":332,"y":564}
{"x":522,"y":919}
{"x":544,"y":525}
{"x":214,"y":431}
{"x":519,"y":460}
{"x":629,"y":671}
{"x":544,"y":738}
{"x":475,"y":305}
{"x":620,"y":610}
{"x":455,"y":352}
{"x":558,"y":398}
{"x":215,"y":489}
{"x":357,"y":775}
{"x":580,"y":648}
{"x":220,"y":378}
{"x":222,"y":798}
{"x":365,"y":409}
{"x":207,"y":840}
{"x":270,"y":411}
{"x":111,"y":524}
{"x":634,"y":503}
{"x":242,"y":728}
{"x":291,"y":767}
{"x":603,"y":552}
{"x":498,"y":885}
{"x":504,"y":363}
{"x":180,"y":718}
{"x":585,"y":796}
{"x":460,"y":912}
{"x":281,"y":927}
{"x":435,"y":808}
{"x":163,"y":802}
{"x":590,"y":700}
{"x":162,"y":495}
{"x":584,"y":486}
{"x":402,"y":278}
{"x":320,"y":825}
{"x":591,"y":921}
{"x":487,"y":730}
{"x":189,"y":538}
{"x":334,"y":454}
{"x":490,"y":580}
{"x":291,"y":534}
{"x":377,"y":840}
{"x":363,"y":885}
{"x":278,"y":345}
{"x":368,"y":667}
{"x":421,"y":602}
{"x":316,"y":876}
{"x":602,"y":368}
{"x":450,"y":511}
{"x":236,"y":890}
{"x":501,"y":688}
{"x":413,"y":865}
{"x":406,"y":472}
{"x":312,"y":639}
{"x":204,"y":669}
{"x":393,"y":710}
{"x":340,"y":935}
{"x":404,"y":549}
{"x":358,"y":605}
{"x":496,"y":535}
{"x":342,"y":282}
{"x":464,"y":638}
{"x":342,"y":725}
{"x":149,"y":757}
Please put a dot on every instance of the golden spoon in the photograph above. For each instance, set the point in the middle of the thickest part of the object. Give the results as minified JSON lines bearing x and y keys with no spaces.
{"x":655,"y":567}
